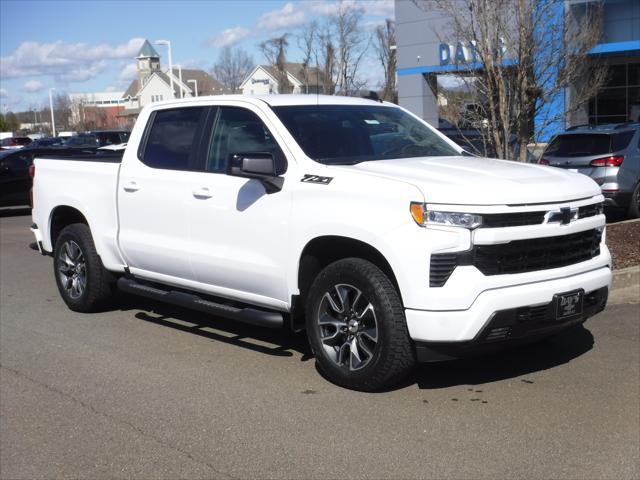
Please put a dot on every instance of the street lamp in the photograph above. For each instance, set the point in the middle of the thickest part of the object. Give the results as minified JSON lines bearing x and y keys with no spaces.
{"x":168,"y":44}
{"x":53,"y":120}
{"x":180,"y":78}
{"x":195,"y":85}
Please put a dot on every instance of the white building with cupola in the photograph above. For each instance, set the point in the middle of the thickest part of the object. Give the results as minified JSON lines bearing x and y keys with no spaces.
{"x":153,"y":83}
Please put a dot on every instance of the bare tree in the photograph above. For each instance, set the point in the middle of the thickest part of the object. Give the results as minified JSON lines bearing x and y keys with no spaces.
{"x":385,"y":47}
{"x":62,"y":111}
{"x":307,"y":40}
{"x":326,"y":61}
{"x":232,"y":67}
{"x":275,"y":51}
{"x":528,"y":59}
{"x":351,"y":46}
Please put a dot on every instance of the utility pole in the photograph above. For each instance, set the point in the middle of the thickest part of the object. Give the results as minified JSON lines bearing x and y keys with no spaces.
{"x":168,"y":45}
{"x":53,"y":120}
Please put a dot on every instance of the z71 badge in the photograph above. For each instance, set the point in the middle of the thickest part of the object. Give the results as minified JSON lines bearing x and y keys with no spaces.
{"x":316,"y":179}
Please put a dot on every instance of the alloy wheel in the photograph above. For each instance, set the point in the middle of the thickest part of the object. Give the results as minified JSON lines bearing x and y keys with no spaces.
{"x":72,"y":269}
{"x":348,"y":327}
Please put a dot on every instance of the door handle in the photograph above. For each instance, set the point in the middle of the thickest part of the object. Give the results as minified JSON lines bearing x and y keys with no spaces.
{"x":202,"y":193}
{"x":131,"y":187}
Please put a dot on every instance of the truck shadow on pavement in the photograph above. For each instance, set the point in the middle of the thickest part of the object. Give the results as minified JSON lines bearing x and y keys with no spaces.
{"x":516,"y":362}
{"x":504,"y":365}
{"x":281,"y":343}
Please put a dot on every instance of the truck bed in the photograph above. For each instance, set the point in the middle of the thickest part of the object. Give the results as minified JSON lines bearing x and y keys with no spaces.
{"x":87,"y":183}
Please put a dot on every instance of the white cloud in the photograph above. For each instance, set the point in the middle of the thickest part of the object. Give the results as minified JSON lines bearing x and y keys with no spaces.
{"x":82,"y":73}
{"x":376,"y":8}
{"x":111,"y":88}
{"x":33,"y":86}
{"x":73,"y":62}
{"x":289,"y":16}
{"x":229,"y":37}
{"x":82,"y":51}
{"x":128,"y":72}
{"x":3,"y":92}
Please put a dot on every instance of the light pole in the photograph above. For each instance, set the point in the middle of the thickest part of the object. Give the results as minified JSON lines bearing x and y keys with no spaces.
{"x":180,"y":78}
{"x":195,"y":85}
{"x":168,"y":44}
{"x":53,"y":120}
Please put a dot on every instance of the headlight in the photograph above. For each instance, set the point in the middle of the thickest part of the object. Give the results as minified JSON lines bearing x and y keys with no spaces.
{"x":424,"y":217}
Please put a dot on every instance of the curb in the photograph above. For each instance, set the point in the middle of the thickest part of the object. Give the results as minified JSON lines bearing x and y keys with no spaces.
{"x":621,"y":222}
{"x":625,"y":285}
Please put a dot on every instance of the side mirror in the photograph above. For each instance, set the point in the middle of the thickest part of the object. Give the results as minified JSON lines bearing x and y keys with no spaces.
{"x":260,"y":166}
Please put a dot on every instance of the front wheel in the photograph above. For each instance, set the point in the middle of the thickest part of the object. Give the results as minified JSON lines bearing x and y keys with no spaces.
{"x":357,"y":328}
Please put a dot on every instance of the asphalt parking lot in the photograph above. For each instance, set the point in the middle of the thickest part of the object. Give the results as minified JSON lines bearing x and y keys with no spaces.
{"x":151,"y":391}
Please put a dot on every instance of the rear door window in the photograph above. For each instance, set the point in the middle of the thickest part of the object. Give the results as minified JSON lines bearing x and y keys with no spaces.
{"x":172,"y":141}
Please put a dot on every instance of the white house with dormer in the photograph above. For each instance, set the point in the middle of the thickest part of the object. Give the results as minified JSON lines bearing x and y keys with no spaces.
{"x":263,"y":80}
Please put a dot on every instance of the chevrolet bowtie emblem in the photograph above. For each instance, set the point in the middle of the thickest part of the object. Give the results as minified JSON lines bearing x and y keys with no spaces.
{"x":563,"y":216}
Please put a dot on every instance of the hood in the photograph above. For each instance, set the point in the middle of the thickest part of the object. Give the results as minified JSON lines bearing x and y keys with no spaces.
{"x":483,"y":181}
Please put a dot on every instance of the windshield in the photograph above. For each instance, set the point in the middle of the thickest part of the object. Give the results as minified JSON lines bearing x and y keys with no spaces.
{"x":586,"y":144}
{"x":349,"y":134}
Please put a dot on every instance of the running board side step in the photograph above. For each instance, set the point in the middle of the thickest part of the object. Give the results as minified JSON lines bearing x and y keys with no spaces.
{"x":262,"y":318}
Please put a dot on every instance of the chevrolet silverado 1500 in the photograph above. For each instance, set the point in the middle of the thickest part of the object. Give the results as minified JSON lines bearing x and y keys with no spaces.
{"x":350,"y":218}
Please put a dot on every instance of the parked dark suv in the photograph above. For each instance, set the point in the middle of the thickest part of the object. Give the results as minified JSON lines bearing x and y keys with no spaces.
{"x":610,"y":154}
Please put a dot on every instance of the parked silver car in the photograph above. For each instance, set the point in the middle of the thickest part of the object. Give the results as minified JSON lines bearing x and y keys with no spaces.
{"x":610,"y":154}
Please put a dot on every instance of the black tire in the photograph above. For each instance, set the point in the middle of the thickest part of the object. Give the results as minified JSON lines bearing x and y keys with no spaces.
{"x":634,"y":206}
{"x":378,"y":365}
{"x":98,"y":283}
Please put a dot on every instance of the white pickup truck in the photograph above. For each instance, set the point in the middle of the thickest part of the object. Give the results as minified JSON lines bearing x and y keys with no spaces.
{"x":350,"y":218}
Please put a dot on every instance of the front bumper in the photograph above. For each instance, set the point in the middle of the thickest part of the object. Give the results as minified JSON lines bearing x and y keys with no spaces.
{"x":515,"y":326}
{"x":466,"y":325}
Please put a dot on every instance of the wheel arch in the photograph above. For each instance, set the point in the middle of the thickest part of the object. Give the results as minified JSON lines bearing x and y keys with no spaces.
{"x":62,"y":216}
{"x":324,"y":250}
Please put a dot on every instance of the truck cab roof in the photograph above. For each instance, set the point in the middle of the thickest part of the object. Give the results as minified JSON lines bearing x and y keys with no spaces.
{"x":277,"y":100}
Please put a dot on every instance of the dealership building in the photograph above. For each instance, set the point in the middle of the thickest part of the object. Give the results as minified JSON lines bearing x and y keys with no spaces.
{"x":425,"y":52}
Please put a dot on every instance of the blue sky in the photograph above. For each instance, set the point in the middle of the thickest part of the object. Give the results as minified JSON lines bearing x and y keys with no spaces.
{"x":89,"y":46}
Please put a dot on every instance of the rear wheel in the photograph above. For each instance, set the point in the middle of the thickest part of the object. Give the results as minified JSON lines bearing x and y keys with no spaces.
{"x":634,"y":206}
{"x":83,"y":282}
{"x":356,"y":326}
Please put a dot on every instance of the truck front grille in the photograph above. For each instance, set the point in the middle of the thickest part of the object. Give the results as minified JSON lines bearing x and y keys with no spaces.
{"x":519,"y":219}
{"x":519,"y":256}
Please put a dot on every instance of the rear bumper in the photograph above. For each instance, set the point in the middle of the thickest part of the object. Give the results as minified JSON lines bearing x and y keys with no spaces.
{"x":38,"y":236}
{"x":617,"y":199}
{"x":467,"y":325}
